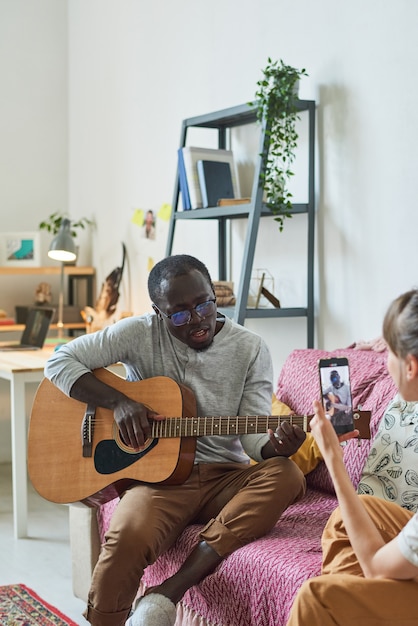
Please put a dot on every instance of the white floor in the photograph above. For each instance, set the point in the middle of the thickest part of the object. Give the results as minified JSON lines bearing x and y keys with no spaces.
{"x":43,"y":560}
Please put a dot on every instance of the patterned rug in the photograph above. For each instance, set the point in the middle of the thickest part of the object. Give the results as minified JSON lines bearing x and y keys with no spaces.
{"x":20,"y":606}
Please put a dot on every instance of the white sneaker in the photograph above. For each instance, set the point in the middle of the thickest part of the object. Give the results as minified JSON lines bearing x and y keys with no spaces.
{"x":153,"y":609}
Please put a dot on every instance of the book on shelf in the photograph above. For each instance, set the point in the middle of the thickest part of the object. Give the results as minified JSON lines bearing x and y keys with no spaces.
{"x":191,"y":155}
{"x":215,"y":181}
{"x":232,"y":201}
{"x":184,"y":190}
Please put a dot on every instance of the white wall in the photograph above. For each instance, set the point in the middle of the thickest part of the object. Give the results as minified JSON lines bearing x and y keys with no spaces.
{"x":136,"y":69}
{"x":34,"y":139}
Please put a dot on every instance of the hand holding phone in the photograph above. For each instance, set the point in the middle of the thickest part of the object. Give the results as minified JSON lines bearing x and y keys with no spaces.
{"x":335,"y":384}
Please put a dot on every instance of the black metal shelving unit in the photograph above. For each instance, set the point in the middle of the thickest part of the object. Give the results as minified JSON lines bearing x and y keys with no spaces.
{"x":223,"y":121}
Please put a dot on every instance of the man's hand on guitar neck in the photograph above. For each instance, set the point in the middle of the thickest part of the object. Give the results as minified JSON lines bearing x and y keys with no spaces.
{"x":284,"y":441}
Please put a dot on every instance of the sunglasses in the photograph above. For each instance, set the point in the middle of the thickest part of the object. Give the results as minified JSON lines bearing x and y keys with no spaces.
{"x":180,"y":318}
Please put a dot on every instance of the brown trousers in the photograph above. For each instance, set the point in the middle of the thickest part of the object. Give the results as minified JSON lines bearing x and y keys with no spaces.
{"x":341,"y":595}
{"x":237,"y":503}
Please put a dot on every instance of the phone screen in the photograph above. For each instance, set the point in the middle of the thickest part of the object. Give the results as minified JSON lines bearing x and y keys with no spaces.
{"x":336,"y":393}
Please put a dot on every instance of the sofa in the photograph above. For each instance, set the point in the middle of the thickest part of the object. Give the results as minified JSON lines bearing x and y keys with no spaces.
{"x":256,"y":584}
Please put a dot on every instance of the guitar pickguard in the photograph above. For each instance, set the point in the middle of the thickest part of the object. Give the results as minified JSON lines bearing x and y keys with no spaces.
{"x":110,"y":458}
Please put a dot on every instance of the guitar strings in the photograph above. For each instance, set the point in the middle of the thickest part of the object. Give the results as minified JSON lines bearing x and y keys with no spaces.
{"x":215,"y":425}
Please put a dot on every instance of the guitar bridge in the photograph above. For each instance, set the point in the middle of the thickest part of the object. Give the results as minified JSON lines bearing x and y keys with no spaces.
{"x":87,"y":431}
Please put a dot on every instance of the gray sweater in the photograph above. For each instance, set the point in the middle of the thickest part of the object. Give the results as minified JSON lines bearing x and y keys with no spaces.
{"x":231,"y":377}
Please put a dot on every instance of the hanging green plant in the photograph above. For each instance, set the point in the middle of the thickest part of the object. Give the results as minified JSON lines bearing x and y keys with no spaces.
{"x":276,"y":98}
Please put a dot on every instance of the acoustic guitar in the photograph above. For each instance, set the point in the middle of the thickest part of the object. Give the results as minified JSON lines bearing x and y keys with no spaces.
{"x":75,"y":452}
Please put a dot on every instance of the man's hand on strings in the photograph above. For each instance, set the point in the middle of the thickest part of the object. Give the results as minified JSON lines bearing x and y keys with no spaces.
{"x":284,"y":441}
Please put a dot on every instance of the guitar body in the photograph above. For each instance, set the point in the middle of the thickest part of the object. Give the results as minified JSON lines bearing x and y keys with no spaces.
{"x":59,"y":471}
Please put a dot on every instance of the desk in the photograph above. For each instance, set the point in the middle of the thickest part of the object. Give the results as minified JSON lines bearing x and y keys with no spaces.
{"x":19,"y":368}
{"x":13,"y":328}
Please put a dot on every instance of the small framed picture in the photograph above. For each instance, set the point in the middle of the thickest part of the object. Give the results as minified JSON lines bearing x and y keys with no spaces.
{"x":20,"y":249}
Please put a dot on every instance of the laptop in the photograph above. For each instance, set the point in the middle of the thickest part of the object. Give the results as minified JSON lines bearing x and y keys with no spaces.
{"x":36,"y":330}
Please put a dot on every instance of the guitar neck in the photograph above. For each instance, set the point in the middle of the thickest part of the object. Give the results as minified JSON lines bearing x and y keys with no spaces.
{"x":208,"y":426}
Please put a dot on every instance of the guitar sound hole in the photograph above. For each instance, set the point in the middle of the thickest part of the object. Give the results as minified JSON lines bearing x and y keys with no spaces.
{"x":124,"y":443}
{"x":125,"y":446}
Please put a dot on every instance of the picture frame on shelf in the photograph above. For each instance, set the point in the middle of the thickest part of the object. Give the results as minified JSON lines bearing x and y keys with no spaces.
{"x":20,"y":249}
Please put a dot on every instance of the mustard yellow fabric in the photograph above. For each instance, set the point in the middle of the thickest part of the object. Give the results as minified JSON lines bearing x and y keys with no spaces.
{"x":308,"y":456}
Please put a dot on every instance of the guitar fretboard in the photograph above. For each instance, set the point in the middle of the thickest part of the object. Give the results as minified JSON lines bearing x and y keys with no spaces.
{"x":208,"y":426}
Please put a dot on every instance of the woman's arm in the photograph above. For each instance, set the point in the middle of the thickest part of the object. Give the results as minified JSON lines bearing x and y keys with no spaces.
{"x":377,"y":559}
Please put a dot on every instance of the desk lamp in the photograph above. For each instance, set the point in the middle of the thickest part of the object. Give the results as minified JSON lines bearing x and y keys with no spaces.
{"x":62,"y":249}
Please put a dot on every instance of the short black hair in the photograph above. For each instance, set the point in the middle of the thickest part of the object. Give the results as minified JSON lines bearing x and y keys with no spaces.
{"x":171,"y":267}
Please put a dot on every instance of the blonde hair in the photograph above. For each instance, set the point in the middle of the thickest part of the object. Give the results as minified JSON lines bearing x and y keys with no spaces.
{"x":400,"y":325}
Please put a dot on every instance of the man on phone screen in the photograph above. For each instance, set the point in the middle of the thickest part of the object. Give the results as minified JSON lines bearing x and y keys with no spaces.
{"x":337,"y":401}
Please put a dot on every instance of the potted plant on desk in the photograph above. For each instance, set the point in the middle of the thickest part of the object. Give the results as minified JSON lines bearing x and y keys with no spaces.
{"x":54,"y":222}
{"x":277,"y":94}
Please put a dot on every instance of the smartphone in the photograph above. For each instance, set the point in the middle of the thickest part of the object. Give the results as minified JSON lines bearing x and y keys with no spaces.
{"x":334,"y":376}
